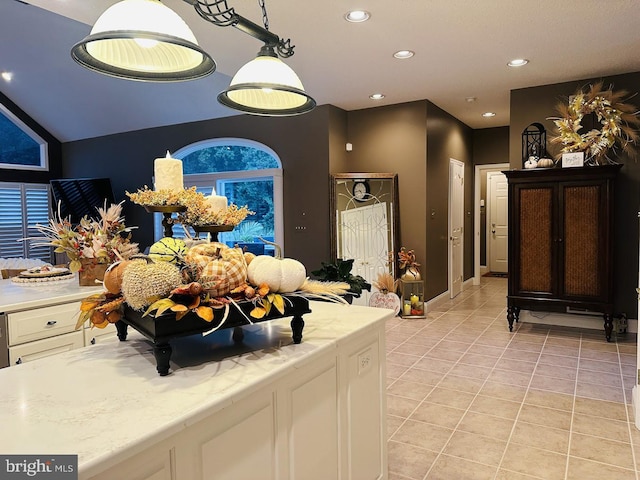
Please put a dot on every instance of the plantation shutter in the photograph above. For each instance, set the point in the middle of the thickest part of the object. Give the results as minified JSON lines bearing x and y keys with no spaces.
{"x":22,"y":206}
{"x":37,"y":212}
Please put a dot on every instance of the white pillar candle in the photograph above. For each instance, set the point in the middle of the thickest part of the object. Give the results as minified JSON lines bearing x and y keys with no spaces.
{"x":168,"y":173}
{"x":216,"y":202}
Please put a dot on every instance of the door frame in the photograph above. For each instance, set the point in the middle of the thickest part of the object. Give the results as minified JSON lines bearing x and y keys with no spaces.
{"x":488,"y":211}
{"x":476,"y":216}
{"x":453,"y":161}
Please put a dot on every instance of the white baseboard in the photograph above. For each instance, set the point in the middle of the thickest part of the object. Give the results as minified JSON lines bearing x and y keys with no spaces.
{"x":594,"y":322}
{"x":483,"y":269}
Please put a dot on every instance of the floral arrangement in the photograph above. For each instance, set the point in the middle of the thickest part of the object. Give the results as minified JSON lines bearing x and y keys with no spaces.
{"x":161,"y":198}
{"x":618,"y":119}
{"x":198,"y":212}
{"x":104,"y":240}
{"x":407,"y":259}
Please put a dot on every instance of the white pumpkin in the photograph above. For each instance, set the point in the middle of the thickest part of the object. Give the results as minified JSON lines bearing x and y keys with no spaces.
{"x":283,"y":275}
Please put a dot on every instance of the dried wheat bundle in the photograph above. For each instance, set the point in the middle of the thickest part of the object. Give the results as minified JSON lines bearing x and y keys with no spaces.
{"x":323,"y":288}
{"x":385,"y":283}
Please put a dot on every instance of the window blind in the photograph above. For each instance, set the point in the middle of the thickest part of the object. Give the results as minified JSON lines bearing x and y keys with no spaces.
{"x":22,"y":206}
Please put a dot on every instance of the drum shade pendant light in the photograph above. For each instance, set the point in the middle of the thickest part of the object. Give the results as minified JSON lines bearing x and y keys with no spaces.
{"x":267,"y":86}
{"x":143,"y":40}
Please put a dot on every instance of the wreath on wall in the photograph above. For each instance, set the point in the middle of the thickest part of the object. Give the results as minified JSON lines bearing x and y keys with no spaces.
{"x":617,"y":118}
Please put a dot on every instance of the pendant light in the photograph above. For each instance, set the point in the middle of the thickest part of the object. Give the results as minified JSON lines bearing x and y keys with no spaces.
{"x":267,"y":86}
{"x":143,"y":40}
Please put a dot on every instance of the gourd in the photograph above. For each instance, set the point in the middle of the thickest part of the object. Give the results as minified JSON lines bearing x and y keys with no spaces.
{"x":168,"y":249}
{"x":531,"y":163}
{"x":545,"y":163}
{"x":283,"y":275}
{"x":113,"y":276}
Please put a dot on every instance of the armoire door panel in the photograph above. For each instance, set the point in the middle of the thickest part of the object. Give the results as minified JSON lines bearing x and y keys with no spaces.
{"x":582,"y":250}
{"x":536,"y":239}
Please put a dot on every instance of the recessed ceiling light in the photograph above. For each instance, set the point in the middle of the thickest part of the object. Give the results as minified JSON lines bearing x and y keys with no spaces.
{"x":518,"y":62}
{"x":470,"y":99}
{"x":402,"y":54}
{"x":376,"y":96}
{"x":357,"y":16}
{"x":6,"y":76}
{"x":488,"y":114}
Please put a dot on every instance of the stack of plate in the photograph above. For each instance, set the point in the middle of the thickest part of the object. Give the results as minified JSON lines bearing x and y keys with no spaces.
{"x":43,"y":274}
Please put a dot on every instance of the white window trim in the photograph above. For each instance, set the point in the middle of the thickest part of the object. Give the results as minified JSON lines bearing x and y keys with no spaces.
{"x":207,"y":179}
{"x":44,"y":150}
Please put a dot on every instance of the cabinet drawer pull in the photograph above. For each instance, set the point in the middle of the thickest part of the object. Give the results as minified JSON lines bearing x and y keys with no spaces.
{"x":51,"y":322}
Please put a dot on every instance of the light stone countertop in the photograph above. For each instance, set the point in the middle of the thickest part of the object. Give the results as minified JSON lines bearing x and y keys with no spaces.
{"x":106,"y":402}
{"x":15,"y":296}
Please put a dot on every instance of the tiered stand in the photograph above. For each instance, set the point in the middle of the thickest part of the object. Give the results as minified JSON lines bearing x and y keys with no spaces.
{"x":160,"y":330}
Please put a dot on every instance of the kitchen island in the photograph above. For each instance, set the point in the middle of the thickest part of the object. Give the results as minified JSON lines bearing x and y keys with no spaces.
{"x":263,"y":408}
{"x":38,"y":320}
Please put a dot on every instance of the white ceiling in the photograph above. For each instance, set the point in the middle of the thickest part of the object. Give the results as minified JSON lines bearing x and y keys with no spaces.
{"x":462,"y":47}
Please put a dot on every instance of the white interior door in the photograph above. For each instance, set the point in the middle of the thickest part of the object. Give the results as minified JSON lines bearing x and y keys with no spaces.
{"x":364,"y":238}
{"x":456,"y":226}
{"x":497,"y":222}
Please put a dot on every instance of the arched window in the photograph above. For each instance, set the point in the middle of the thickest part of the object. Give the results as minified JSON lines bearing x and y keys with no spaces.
{"x":247,"y":173}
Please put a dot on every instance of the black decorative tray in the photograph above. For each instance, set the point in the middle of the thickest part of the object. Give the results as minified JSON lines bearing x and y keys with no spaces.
{"x":160,"y":330}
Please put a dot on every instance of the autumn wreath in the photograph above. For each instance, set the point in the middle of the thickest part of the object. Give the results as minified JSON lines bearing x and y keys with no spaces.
{"x":618,"y":120}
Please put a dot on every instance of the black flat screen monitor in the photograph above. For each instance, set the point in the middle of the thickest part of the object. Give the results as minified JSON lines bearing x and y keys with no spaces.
{"x":80,"y":196}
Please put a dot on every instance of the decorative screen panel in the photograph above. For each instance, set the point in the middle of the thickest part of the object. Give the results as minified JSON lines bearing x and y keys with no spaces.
{"x":581,"y":241}
{"x":536,"y":242}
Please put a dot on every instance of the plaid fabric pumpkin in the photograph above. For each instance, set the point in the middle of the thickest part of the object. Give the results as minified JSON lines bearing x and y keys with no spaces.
{"x":221,"y":269}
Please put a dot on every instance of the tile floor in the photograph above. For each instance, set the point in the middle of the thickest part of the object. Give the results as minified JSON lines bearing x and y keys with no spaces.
{"x":468,"y":400}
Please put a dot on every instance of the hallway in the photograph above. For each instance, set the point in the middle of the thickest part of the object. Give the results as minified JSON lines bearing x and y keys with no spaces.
{"x":468,"y":400}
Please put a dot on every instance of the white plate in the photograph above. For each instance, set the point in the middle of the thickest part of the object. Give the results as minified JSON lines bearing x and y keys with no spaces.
{"x":37,"y":272}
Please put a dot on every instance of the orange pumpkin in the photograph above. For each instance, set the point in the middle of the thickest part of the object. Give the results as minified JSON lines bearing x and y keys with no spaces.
{"x":113,"y":276}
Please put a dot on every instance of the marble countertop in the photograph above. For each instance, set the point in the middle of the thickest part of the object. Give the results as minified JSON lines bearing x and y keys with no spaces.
{"x":16,"y":296}
{"x":106,"y":402}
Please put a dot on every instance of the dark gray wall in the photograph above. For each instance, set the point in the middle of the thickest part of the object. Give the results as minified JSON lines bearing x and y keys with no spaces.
{"x":536,"y":104}
{"x":416,"y":141}
{"x":393,"y":139}
{"x":301,"y":142}
{"x":447,"y":137}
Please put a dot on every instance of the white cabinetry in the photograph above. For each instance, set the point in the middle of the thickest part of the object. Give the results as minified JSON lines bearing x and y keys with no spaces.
{"x":323,"y":419}
{"x":45,"y":331}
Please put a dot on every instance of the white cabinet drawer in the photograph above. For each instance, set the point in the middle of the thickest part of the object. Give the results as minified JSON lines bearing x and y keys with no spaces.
{"x":42,"y":322}
{"x":44,"y":348}
{"x":99,"y":335}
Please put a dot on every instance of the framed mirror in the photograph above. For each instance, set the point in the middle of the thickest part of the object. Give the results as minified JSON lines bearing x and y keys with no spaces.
{"x":365,"y":222}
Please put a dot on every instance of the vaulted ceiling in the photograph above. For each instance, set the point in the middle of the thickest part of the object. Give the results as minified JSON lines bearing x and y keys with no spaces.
{"x":461,"y":50}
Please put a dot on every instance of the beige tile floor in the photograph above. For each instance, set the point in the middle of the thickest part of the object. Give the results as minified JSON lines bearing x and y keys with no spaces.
{"x":468,"y":400}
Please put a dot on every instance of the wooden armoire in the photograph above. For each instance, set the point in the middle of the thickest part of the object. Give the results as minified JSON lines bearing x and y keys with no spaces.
{"x":561,"y":241}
